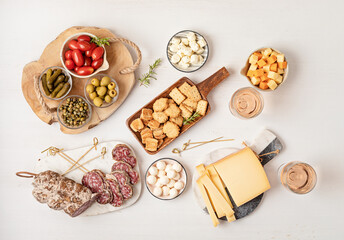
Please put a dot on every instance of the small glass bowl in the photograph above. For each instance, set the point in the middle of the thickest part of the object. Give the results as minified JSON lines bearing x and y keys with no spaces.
{"x":59,"y":114}
{"x":64,"y":72}
{"x":184,"y":177}
{"x":191,"y":68}
{"x":105,"y":104}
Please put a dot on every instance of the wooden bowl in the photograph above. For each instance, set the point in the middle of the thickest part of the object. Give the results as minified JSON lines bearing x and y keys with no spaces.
{"x":203,"y":87}
{"x":103,"y":67}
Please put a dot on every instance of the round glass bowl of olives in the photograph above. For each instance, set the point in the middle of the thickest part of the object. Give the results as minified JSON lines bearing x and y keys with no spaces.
{"x":101,"y":90}
{"x":55,"y":83}
{"x":74,"y":112}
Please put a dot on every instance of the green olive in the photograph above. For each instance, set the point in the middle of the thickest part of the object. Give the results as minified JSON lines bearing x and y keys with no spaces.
{"x":101,"y":91}
{"x":111,"y":85}
{"x":105,"y":81}
{"x":98,"y":101}
{"x":93,"y":95}
{"x":90,"y":88}
{"x":95,"y":82}
{"x":108,"y":99}
{"x":113,"y":93}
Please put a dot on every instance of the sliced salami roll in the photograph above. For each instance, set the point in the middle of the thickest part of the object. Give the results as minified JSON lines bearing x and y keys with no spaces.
{"x":123,"y":180}
{"x":105,"y":196}
{"x":94,"y":181}
{"x":122,"y":152}
{"x":117,"y":200}
{"x":134,"y":176}
{"x":75,"y":211}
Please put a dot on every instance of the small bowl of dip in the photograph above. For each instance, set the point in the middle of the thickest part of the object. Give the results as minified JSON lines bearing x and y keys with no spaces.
{"x":246,"y":103}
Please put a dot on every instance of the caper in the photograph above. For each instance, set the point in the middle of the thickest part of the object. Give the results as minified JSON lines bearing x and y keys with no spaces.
{"x":105,"y":81}
{"x":111,"y":85}
{"x":101,"y":91}
{"x":95,"y":82}
{"x":113,"y":93}
{"x":98,"y":101}
{"x":108,"y":99}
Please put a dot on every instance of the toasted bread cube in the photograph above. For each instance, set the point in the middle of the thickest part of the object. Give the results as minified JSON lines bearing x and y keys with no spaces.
{"x":160,"y":142}
{"x":250,"y":73}
{"x":161,"y":117}
{"x":272,"y":84}
{"x":159,"y":133}
{"x":153,"y":124}
{"x":258,"y":73}
{"x":263,"y":85}
{"x":178,"y":120}
{"x":280,"y":71}
{"x":146,"y":114}
{"x":255,"y":81}
{"x":151,"y":144}
{"x":253,"y":67}
{"x":177,"y":96}
{"x":259,"y":55}
{"x":271,"y":59}
{"x":194,"y":94}
{"x":253,"y":59}
{"x":266,"y":68}
{"x":146,"y":133}
{"x":184,"y":88}
{"x":273,"y":67}
{"x":272,"y":75}
{"x":160,"y":104}
{"x":172,"y":111}
{"x":171,"y":129}
{"x":190,"y":103}
{"x":264,"y":77}
{"x":261,"y":63}
{"x":137,"y":125}
{"x":267,"y":52}
{"x":280,"y":57}
{"x":202,"y":107}
{"x":279,"y":79}
{"x":282,"y":65}
{"x":185,"y":112}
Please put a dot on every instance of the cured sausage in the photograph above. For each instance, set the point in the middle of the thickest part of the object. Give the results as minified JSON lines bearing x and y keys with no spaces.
{"x":123,"y":180}
{"x":117,"y":195}
{"x":94,"y":181}
{"x":134,"y":176}
{"x":122,"y":152}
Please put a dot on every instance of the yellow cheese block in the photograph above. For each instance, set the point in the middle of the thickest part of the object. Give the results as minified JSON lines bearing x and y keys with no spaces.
{"x":208,"y":203}
{"x":219,"y":202}
{"x":243,"y":175}
{"x":215,"y":178}
{"x":200,"y":169}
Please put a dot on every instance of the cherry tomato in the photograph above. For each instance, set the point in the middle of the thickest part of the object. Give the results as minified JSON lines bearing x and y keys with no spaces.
{"x":76,"y":69}
{"x":84,"y":46}
{"x":68,"y":54}
{"x":78,"y":58}
{"x":89,"y":52}
{"x":85,"y":71}
{"x":88,"y":62}
{"x":84,"y":38}
{"x":69,"y":64}
{"x":97,"y":53}
{"x":97,"y":63}
{"x":73,"y":45}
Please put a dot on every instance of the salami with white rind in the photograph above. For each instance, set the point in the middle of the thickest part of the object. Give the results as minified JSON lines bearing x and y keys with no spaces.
{"x":122,"y":152}
{"x":123,"y":180}
{"x":117,"y":200}
{"x":134,"y":176}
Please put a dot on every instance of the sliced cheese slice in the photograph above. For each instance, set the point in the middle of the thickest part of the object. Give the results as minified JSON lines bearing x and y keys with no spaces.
{"x":207,"y":203}
{"x":219,"y":202}
{"x":243,"y":175}
{"x":215,"y":178}
{"x":200,"y":169}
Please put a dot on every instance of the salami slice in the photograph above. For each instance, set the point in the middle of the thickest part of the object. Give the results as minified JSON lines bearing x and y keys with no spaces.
{"x":134,"y":176}
{"x":117,"y":195}
{"x":123,"y":180}
{"x":122,"y":152}
{"x":94,"y":181}
{"x":105,"y":197}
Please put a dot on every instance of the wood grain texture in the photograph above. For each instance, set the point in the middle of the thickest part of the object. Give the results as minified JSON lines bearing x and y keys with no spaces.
{"x":118,"y":57}
{"x":204,"y":88}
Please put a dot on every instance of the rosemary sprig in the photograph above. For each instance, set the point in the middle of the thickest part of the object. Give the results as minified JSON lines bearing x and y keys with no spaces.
{"x":100,"y":41}
{"x":191,"y":119}
{"x":145,"y":79}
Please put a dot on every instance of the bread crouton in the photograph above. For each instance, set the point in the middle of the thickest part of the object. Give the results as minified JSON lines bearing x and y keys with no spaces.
{"x":146,"y":133}
{"x":153,"y":124}
{"x":146,"y":114}
{"x":202,"y":107}
{"x":158,"y":133}
{"x":151,"y":144}
{"x":137,"y":125}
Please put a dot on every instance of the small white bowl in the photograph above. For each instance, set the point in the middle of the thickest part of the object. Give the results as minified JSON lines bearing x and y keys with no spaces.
{"x":64,"y":48}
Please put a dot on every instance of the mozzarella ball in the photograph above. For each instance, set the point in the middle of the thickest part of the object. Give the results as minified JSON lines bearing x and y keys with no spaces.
{"x":151,"y":179}
{"x":185,"y":59}
{"x":153,"y":171}
{"x":185,"y":41}
{"x":177,"y":177}
{"x":175,"y":58}
{"x":194,"y":59}
{"x":177,"y":167}
{"x":200,"y":59}
{"x":171,"y":183}
{"x":161,"y":165}
{"x":174,"y":48}
{"x":173,"y":193}
{"x":187,"y":51}
{"x":165,"y":191}
{"x":200,"y":51}
{"x":168,"y":167}
{"x":182,"y":46}
{"x":171,"y":173}
{"x":179,"y":185}
{"x":158,"y":183}
{"x":201,"y":42}
{"x":194,"y":46}
{"x":191,"y":36}
{"x":164,"y":180}
{"x":161,"y":173}
{"x":180,"y":53}
{"x":183,"y":65}
{"x":175,"y":40}
{"x":157,"y":191}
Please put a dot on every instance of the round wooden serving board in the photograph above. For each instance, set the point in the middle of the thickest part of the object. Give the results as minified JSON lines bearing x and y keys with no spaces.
{"x":118,"y":57}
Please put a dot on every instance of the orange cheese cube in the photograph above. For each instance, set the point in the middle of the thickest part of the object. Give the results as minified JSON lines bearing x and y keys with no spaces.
{"x":258,"y":73}
{"x":272,"y":59}
{"x":261,"y":63}
{"x":273,"y":67}
{"x":263,"y":85}
{"x":282,"y":65}
{"x":264,"y":78}
{"x":259,"y":55}
{"x":250,"y":73}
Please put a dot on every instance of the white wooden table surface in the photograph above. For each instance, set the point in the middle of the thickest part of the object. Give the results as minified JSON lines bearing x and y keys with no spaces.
{"x":306,"y":112}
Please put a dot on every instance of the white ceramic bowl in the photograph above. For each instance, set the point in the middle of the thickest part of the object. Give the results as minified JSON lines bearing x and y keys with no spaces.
{"x":64,"y":48}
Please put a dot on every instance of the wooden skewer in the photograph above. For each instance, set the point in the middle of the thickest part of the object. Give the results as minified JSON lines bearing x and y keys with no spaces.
{"x":203,"y":143}
{"x":72,"y":161}
{"x":222,"y":140}
{"x":81,"y":165}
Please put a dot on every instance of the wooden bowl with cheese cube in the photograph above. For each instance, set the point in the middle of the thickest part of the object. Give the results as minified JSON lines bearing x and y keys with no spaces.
{"x":266,"y":69}
{"x":173,"y":112}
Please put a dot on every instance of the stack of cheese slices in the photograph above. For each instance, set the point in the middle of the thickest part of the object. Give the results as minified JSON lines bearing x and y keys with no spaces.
{"x":240,"y":173}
